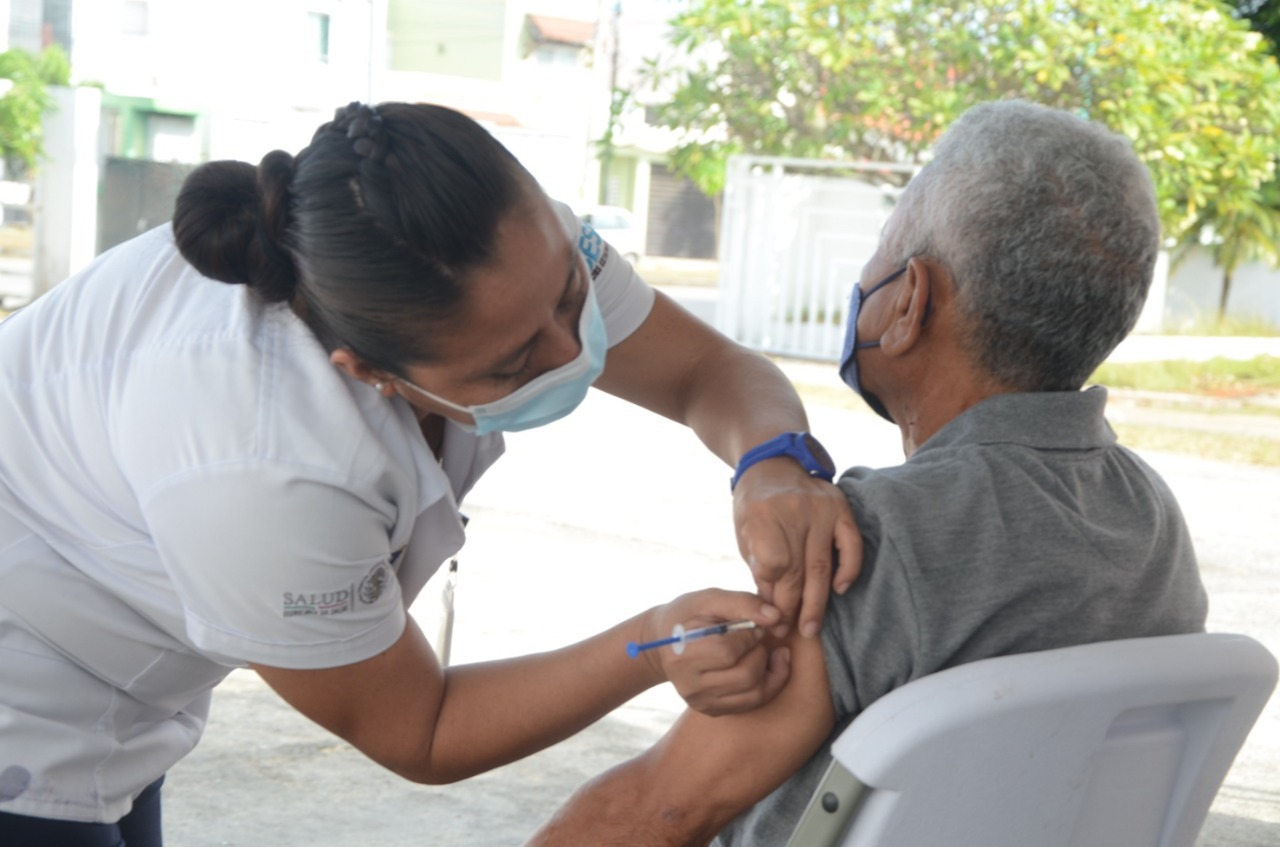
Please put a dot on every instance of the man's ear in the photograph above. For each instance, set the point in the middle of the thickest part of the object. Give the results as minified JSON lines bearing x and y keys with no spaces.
{"x":356,"y":368}
{"x":910,"y":308}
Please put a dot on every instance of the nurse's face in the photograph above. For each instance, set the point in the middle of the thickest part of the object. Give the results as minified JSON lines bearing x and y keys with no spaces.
{"x":519,"y":318}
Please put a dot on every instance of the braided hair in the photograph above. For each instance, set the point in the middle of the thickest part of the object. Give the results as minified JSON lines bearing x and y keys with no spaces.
{"x":368,"y":233}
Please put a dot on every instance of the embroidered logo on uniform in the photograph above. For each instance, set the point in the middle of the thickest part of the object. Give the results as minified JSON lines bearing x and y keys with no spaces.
{"x":372,"y":586}
{"x":323,"y":603}
{"x":593,"y":249}
{"x":318,"y":602}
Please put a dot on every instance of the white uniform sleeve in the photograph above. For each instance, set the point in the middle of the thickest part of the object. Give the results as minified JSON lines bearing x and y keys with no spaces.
{"x":276,"y":568}
{"x":625,"y":299}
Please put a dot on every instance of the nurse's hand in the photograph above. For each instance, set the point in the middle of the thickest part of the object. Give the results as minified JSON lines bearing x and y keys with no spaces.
{"x":790,"y":526}
{"x":718,"y":674}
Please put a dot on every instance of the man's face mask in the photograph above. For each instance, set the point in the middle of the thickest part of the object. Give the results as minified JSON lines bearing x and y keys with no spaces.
{"x":849,"y":357}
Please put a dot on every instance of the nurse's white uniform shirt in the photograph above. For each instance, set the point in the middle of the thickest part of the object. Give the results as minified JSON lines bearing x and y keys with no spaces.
{"x":188,"y":485}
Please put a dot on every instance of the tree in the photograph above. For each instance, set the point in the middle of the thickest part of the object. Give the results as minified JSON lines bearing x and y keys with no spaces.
{"x":26,"y":100}
{"x":1185,"y":80}
{"x":1264,"y":17}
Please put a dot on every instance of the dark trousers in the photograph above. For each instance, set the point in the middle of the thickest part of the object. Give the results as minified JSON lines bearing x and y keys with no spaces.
{"x":139,"y":828}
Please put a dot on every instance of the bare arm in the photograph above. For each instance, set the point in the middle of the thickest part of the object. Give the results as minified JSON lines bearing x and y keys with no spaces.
{"x":703,"y":772}
{"x":431,"y":725}
{"x":788,"y":523}
{"x":679,"y":367}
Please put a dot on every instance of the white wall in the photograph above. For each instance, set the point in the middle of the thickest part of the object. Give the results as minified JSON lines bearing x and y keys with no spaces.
{"x":66,"y":191}
{"x":1196,"y":284}
{"x":554,"y":108}
{"x":232,"y":59}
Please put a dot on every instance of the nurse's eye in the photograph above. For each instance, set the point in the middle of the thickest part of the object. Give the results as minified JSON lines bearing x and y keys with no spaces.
{"x":512,"y":374}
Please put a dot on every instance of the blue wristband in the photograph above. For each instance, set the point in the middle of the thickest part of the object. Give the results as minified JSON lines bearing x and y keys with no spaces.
{"x":801,"y":446}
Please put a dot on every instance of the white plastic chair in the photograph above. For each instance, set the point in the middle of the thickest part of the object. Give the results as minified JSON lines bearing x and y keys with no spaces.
{"x":1115,"y":744}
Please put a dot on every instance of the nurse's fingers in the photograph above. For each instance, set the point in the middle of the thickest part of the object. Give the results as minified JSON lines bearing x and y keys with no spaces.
{"x":848,"y":540}
{"x":817,"y":581}
{"x":787,"y":593}
{"x":773,"y":549}
{"x":750,"y":684}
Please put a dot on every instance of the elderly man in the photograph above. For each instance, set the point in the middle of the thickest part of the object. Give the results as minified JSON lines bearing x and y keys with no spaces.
{"x":1012,"y":266}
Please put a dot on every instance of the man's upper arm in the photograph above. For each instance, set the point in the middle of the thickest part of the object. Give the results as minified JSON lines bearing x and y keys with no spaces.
{"x":704,"y":771}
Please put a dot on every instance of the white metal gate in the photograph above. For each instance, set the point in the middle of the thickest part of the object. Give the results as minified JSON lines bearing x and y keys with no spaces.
{"x":794,"y":237}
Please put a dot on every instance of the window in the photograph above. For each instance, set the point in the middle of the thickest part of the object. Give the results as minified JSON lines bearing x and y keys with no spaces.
{"x":318,"y":36}
{"x":172,"y":138}
{"x":136,"y":17}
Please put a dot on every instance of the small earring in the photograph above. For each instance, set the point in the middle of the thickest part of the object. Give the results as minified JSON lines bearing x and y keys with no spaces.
{"x":379,"y":387}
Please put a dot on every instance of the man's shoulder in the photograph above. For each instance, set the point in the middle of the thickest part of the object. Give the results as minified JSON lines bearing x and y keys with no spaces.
{"x":985,"y":484}
{"x":920,"y":478}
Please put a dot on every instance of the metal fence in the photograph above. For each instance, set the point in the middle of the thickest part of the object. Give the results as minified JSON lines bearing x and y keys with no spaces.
{"x":16,"y":265}
{"x":794,"y":236}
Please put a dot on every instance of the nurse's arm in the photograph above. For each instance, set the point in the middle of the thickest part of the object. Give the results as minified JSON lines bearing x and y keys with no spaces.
{"x":787,"y":523}
{"x":679,"y":367}
{"x":703,"y":772}
{"x":432,"y":725}
{"x":401,"y":709}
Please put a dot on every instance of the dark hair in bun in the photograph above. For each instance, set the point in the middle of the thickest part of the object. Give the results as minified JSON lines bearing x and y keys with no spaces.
{"x":368,"y":233}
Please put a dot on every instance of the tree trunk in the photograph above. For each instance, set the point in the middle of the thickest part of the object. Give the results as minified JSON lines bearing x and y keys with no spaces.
{"x":1222,"y":299}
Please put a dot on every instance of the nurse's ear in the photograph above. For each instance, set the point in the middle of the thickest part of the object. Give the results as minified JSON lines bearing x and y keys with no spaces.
{"x":358,"y":369}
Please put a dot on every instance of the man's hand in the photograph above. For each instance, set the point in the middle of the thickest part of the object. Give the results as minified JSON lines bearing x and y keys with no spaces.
{"x":790,"y":526}
{"x":719,"y":674}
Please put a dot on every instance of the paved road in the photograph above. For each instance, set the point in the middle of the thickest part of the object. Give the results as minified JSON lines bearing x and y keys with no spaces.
{"x":582,"y":525}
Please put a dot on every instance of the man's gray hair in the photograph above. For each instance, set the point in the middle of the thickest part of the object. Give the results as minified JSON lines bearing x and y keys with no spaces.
{"x":1048,"y":223}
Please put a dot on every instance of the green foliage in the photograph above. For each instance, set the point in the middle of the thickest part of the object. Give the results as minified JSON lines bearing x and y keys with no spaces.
{"x":1264,"y":17}
{"x":1185,"y":80}
{"x":27,"y":99}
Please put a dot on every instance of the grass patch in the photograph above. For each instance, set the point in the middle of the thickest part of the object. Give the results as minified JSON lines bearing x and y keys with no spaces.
{"x":1221,"y":447}
{"x":1211,"y":379}
{"x":1218,"y":377}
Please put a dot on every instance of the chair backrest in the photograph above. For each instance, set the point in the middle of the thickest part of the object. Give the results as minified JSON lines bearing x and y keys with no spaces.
{"x":1120,"y":743}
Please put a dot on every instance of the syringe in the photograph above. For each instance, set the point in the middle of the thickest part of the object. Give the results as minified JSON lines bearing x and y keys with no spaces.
{"x":679,"y":635}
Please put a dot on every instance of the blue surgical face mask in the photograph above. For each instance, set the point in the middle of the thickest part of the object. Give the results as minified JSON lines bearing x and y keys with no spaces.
{"x":550,"y":396}
{"x":849,"y":357}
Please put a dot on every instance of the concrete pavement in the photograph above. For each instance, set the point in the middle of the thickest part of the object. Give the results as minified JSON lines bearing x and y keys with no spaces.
{"x":585,"y":523}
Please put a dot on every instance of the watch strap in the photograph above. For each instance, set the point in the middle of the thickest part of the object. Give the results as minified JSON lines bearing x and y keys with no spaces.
{"x":797,"y":445}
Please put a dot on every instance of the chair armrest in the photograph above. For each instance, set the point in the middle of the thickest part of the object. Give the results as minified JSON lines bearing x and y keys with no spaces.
{"x":830,"y":809}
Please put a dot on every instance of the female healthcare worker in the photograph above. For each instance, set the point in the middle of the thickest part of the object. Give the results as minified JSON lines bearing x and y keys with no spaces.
{"x":196,"y":476}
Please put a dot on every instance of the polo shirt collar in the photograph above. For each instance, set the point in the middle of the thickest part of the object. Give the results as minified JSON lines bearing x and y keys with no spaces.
{"x":1043,"y":420}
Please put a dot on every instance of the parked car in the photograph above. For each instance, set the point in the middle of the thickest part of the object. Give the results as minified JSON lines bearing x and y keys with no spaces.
{"x":617,"y":226}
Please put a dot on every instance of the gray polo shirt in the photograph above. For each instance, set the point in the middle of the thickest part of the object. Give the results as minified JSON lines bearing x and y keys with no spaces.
{"x":1020,"y":526}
